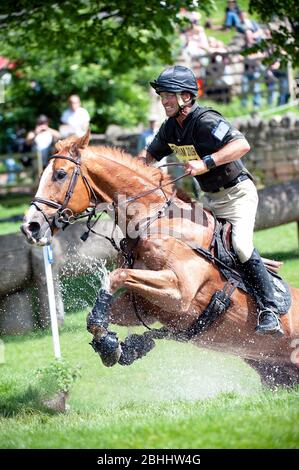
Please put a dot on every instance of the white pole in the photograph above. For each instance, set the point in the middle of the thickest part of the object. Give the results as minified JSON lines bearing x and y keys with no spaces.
{"x":48,"y":260}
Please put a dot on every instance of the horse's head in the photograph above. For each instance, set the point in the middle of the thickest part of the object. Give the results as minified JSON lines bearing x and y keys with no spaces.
{"x":63,"y":192}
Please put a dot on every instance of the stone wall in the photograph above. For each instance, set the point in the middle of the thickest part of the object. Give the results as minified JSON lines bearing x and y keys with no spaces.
{"x":274,"y":155}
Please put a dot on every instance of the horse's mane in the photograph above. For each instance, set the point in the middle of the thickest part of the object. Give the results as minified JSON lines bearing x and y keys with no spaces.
{"x":152,"y":174}
{"x":155,"y":175}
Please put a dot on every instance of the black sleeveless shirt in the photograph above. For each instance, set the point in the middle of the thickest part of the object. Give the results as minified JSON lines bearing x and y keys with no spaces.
{"x":204,"y":132}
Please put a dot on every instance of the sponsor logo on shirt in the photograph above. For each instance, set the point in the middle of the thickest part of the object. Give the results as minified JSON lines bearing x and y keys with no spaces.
{"x":184,"y":152}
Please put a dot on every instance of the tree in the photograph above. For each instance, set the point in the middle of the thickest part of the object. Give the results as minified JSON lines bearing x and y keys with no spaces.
{"x":101,"y":49}
{"x":122,"y":32}
{"x":284,"y":19}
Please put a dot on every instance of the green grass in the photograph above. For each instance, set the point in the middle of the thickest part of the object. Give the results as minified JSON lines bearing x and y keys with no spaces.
{"x":179,"y":396}
{"x":281,"y":243}
{"x":10,"y":206}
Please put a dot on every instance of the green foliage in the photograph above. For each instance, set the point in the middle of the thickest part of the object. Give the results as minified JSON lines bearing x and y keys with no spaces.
{"x":284,"y":41}
{"x":42,"y":85}
{"x":104,"y":51}
{"x":58,"y":376}
{"x":121,"y":32}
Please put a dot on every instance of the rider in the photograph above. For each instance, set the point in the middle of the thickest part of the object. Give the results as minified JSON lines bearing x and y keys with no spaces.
{"x":211,"y":149}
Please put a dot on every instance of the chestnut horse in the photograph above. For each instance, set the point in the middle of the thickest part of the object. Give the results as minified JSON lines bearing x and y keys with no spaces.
{"x":167,"y":281}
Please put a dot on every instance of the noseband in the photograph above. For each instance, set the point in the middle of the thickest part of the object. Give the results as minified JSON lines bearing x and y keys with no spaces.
{"x":65,"y":216}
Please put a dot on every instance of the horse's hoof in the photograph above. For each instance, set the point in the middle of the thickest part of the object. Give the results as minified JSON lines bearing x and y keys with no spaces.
{"x":108,"y":348}
{"x":135,"y":347}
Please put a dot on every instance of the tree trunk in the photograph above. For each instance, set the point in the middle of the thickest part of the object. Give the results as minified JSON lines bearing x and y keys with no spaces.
{"x":278,"y":205}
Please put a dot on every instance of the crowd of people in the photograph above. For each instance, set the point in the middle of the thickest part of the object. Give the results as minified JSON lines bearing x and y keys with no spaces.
{"x":74,"y":121}
{"x":219,"y":68}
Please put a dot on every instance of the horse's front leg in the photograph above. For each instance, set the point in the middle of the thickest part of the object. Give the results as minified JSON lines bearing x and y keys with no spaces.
{"x":122,"y":312}
{"x":104,"y":342}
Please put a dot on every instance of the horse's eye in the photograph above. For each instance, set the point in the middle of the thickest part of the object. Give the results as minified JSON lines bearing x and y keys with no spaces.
{"x":61,"y":174}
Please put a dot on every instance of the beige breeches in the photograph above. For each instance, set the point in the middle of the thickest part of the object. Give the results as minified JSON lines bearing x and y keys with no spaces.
{"x":238,"y":205}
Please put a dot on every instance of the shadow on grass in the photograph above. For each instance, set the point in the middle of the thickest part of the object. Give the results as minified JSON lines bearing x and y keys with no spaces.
{"x":282,"y":255}
{"x":28,"y":402}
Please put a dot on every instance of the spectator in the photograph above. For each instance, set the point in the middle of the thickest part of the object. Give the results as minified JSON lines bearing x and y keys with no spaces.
{"x":232,"y":13}
{"x":42,"y":138}
{"x":12,"y":168}
{"x":251,"y":29}
{"x":251,"y":80}
{"x":277,"y":80}
{"x":147,"y":136}
{"x":75,"y":119}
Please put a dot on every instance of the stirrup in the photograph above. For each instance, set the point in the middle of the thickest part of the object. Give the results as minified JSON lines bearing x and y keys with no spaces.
{"x":273,"y":330}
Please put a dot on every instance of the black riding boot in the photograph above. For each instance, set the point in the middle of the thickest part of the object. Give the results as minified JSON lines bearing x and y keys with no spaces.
{"x":257,"y":277}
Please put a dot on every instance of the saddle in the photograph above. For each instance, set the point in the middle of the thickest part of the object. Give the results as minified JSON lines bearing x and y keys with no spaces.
{"x":223,"y":250}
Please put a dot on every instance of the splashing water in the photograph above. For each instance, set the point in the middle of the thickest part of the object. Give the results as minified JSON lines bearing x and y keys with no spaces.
{"x":82,"y":277}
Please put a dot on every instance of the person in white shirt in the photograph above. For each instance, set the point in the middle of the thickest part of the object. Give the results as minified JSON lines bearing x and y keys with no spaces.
{"x":75,"y":119}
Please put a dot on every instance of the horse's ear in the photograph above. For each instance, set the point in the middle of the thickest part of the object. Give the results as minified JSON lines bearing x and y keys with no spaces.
{"x":59,"y":145}
{"x":84,"y":140}
{"x":74,"y":149}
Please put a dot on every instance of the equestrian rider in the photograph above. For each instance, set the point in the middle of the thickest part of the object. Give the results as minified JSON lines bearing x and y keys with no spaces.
{"x":211,"y":149}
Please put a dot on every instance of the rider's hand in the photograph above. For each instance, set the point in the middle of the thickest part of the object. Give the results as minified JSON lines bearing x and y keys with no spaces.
{"x":139,"y":158}
{"x":196,"y":167}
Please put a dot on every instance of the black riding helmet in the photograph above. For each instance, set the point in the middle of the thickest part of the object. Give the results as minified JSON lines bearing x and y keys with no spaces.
{"x":176,"y":79}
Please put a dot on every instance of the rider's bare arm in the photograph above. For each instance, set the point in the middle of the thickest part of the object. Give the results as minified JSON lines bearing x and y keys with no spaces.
{"x":230,"y":152}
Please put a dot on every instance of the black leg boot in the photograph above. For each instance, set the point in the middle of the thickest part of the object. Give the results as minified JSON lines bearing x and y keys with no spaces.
{"x":105,"y":342}
{"x":257,"y":277}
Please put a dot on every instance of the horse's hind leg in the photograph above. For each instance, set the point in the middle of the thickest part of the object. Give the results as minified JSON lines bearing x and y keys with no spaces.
{"x":161,"y":288}
{"x":276,"y":375}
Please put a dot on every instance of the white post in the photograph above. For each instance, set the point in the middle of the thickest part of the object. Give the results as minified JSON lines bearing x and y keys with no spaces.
{"x":48,"y":260}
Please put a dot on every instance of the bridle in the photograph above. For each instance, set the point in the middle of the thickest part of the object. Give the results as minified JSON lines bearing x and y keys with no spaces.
{"x":65,"y":216}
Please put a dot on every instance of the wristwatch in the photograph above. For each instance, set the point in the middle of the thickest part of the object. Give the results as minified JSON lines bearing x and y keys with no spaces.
{"x":209,"y":161}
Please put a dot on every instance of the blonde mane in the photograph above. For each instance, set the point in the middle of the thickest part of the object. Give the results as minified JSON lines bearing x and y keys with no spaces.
{"x":120,"y":156}
{"x":151,"y":174}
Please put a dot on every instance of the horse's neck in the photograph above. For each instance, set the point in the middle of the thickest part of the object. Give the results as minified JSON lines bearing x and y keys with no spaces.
{"x":115,"y":180}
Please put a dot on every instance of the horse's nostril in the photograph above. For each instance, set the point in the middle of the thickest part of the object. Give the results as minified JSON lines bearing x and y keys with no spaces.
{"x":34,"y":228}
